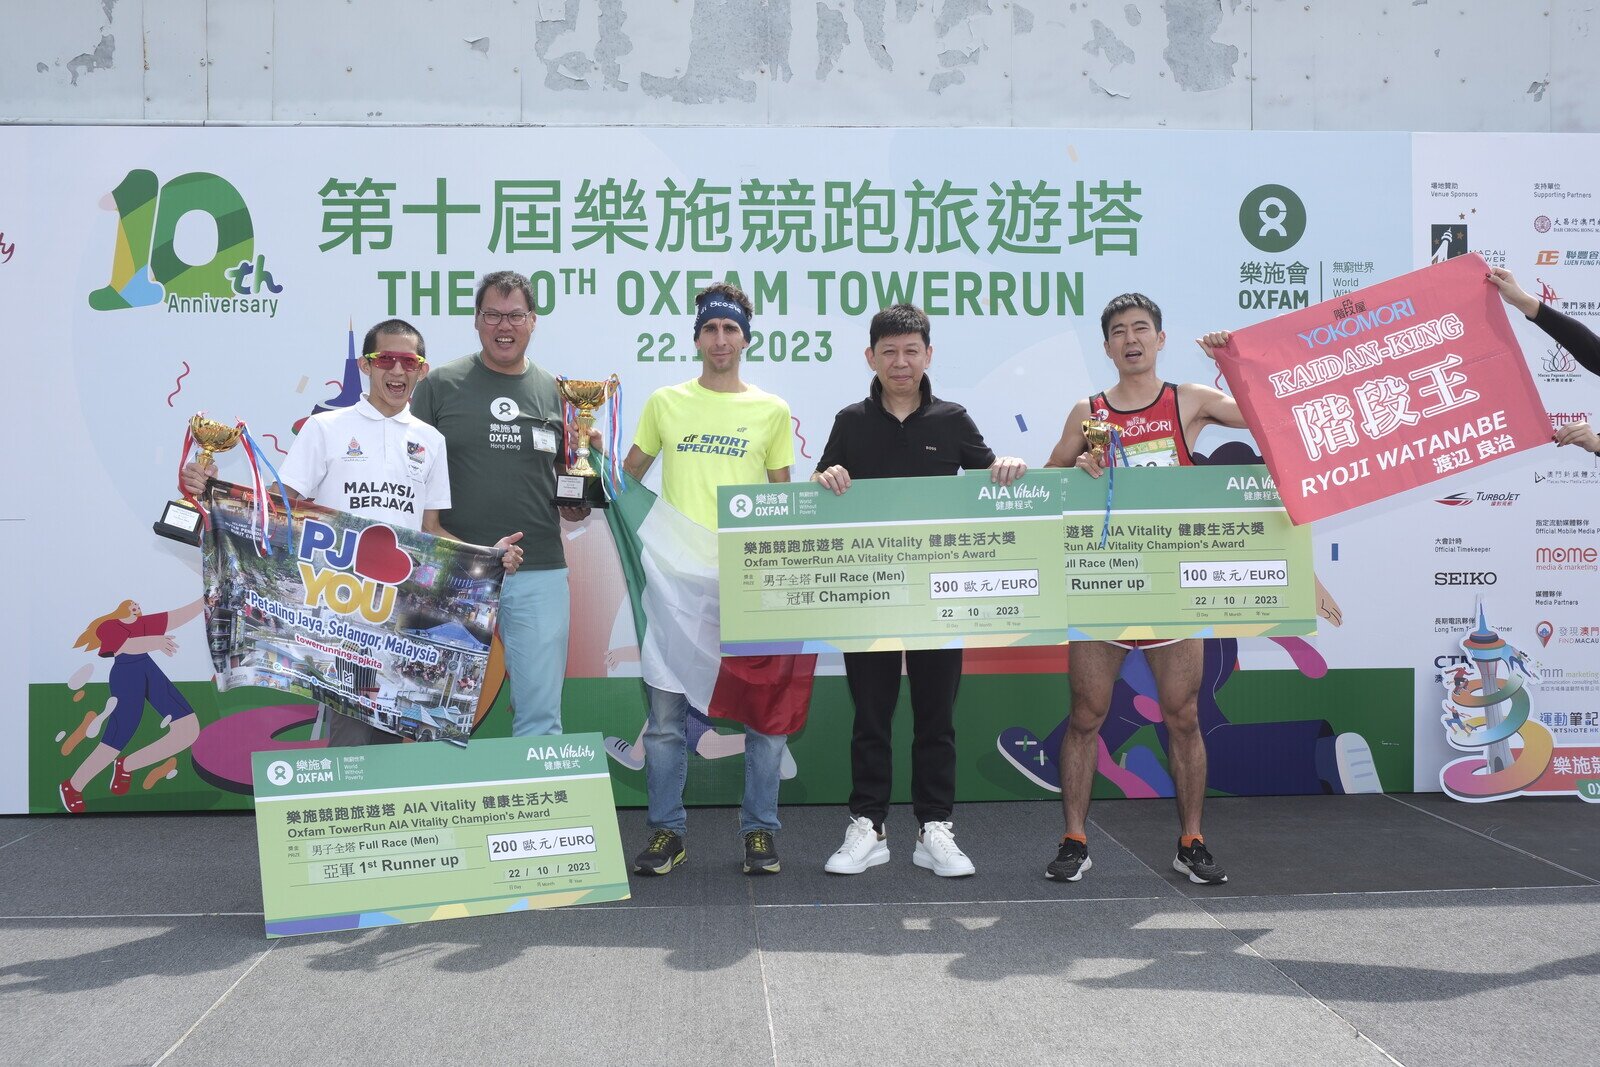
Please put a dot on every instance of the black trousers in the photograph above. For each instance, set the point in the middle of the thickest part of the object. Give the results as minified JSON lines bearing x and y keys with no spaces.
{"x":874,"y":679}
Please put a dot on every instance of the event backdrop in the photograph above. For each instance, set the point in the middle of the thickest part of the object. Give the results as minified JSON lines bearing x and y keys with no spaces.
{"x":146,"y":273}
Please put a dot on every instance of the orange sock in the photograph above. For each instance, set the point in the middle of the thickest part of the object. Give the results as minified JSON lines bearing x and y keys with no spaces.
{"x":1187,"y":840}
{"x":1079,"y":838}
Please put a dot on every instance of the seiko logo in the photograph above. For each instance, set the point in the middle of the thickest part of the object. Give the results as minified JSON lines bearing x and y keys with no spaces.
{"x":1465,"y":577}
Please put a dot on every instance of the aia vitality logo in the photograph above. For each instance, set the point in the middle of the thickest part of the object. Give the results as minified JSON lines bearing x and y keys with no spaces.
{"x":146,"y":268}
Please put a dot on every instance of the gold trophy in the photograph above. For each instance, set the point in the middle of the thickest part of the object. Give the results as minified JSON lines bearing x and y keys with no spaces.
{"x":1098,"y":433}
{"x":180,"y":519}
{"x":581,"y":487}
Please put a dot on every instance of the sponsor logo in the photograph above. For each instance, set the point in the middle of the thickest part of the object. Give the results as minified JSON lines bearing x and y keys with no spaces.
{"x":1447,"y":241}
{"x":1547,"y":257}
{"x":1138,"y":426}
{"x":1557,"y":366}
{"x":740,"y":506}
{"x":1568,"y":476}
{"x":1358,"y":323}
{"x":147,"y":268}
{"x":6,"y":250}
{"x":1542,"y":224}
{"x":1465,"y":578}
{"x":1559,"y":419}
{"x":1544,"y":631}
{"x":1272,"y":218}
{"x":504,"y":409}
{"x":1566,"y":558}
{"x":1494,"y":500}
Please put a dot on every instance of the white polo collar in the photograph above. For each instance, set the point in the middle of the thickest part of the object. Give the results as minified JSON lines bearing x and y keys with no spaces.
{"x":364,"y":407}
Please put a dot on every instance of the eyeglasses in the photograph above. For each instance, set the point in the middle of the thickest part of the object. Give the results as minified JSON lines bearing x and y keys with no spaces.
{"x":385,"y":360}
{"x":515,"y":318}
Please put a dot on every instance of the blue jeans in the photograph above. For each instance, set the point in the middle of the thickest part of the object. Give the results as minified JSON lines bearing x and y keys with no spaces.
{"x":535,"y":614}
{"x":666,"y":766}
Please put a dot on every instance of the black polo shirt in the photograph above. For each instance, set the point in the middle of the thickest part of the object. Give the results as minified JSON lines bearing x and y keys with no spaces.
{"x":937,"y":438}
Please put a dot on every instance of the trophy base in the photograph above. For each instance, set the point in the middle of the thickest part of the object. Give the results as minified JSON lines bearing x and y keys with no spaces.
{"x":579,"y":491}
{"x":180,"y":521}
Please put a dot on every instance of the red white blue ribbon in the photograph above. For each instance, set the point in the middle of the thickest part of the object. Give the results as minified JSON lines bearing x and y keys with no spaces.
{"x":611,"y":466}
{"x":264,"y":510}
{"x":1111,"y":481}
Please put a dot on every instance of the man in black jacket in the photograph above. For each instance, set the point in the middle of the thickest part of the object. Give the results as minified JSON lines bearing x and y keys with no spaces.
{"x":901,"y":430}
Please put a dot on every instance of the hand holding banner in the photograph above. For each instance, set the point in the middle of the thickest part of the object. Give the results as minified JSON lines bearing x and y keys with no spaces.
{"x":1386,"y":389}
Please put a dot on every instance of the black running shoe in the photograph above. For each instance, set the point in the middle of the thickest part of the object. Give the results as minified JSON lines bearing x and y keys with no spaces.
{"x":760,"y":852}
{"x":1196,"y":861}
{"x":1070,"y":862}
{"x":664,"y":852}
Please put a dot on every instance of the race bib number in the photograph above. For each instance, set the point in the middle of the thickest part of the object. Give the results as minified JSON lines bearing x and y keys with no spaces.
{"x":1153,"y":454}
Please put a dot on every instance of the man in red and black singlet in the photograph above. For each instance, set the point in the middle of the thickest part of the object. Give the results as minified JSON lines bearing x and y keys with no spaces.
{"x":1158,"y":421}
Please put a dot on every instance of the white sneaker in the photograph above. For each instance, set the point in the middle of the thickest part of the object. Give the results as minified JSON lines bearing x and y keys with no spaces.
{"x":863,"y":847}
{"x":938,"y":852}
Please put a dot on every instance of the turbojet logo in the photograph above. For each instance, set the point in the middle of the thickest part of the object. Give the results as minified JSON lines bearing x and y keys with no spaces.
{"x":1494,"y":500}
{"x":352,"y":571}
{"x":1272,"y":218}
{"x":146,"y":268}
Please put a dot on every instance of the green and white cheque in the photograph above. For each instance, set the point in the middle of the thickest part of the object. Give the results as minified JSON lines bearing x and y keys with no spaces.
{"x":358,"y":837}
{"x":894,"y":563}
{"x":1188,"y":552}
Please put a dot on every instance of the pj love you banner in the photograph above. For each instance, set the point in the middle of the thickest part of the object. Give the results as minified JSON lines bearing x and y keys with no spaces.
{"x":390,"y":626}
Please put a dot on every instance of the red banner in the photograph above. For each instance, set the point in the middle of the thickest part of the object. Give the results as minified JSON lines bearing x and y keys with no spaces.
{"x":1388,"y":388}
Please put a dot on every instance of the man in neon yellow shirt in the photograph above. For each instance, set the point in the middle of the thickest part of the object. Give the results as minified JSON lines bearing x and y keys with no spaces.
{"x":715,"y":430}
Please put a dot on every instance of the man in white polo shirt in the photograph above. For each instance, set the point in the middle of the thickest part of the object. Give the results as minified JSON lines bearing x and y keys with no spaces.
{"x":376,"y":460}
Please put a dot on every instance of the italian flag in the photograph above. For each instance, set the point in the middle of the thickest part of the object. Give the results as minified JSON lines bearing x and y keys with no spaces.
{"x":670,"y":564}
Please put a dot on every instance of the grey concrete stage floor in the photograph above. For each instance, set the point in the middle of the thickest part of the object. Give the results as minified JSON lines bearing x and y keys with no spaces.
{"x":1360,"y":930}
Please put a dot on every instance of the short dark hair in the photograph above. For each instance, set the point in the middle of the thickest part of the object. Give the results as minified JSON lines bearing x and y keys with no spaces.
{"x":1127,"y":302}
{"x":401,"y":326}
{"x":731,"y":293}
{"x":899,"y":319}
{"x":504,"y":282}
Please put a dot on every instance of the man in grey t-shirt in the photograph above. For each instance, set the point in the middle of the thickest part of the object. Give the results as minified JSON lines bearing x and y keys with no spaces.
{"x":501,"y":421}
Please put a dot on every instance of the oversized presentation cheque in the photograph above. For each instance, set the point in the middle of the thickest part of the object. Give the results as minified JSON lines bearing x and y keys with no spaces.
{"x":358,"y":837}
{"x":894,"y":563}
{"x":1187,"y":552}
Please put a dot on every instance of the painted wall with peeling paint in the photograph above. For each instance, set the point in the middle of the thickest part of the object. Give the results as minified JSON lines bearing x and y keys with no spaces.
{"x":1465,"y":65}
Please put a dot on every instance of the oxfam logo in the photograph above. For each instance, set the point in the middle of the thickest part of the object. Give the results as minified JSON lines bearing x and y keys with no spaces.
{"x":1272,"y":218}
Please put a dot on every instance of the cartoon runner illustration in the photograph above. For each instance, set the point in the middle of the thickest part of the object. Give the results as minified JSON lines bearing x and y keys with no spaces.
{"x":127,"y":636}
{"x":1458,"y":679}
{"x":1519,"y":660}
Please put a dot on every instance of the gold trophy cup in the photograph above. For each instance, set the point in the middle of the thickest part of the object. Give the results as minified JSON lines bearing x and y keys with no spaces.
{"x":1098,"y":433}
{"x":181,"y":520}
{"x":580,"y":487}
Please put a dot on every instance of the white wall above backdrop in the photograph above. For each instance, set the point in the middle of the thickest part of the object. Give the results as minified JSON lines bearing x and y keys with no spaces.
{"x":1208,"y":64}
